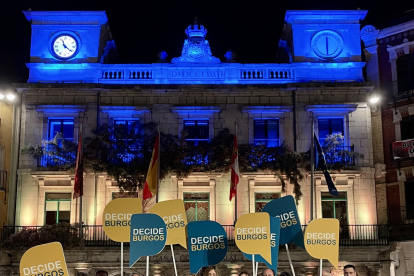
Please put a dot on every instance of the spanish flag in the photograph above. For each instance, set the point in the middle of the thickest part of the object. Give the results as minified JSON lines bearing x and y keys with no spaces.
{"x":151,"y":183}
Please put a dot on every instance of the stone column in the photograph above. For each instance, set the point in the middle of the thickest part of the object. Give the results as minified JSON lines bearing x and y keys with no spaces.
{"x":409,"y":264}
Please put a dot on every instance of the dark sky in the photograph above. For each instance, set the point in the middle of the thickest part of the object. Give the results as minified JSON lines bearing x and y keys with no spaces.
{"x":142,"y":28}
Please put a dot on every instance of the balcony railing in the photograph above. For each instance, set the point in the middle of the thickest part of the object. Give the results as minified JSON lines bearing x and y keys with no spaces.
{"x":343,"y":155}
{"x":399,"y":89}
{"x":350,"y":235}
{"x":94,"y":235}
{"x":401,"y":215}
{"x":52,"y":161}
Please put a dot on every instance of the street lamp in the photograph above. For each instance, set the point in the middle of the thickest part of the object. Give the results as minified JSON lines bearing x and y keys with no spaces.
{"x":374,"y":99}
{"x":10,"y":96}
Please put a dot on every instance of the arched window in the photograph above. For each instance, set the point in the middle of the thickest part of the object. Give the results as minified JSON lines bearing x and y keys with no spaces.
{"x":405,"y":73}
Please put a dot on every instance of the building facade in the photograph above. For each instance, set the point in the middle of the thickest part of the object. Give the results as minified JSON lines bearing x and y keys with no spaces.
{"x":6,"y":130}
{"x":388,"y":54}
{"x":75,"y":81}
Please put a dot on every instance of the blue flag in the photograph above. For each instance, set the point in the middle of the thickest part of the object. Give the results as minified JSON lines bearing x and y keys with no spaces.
{"x":320,"y":156}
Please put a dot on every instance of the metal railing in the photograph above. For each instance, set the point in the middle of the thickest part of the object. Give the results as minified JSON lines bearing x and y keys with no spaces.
{"x":350,"y":235}
{"x":341,"y":154}
{"x":52,"y":161}
{"x":94,"y":235}
{"x":400,"y":214}
{"x":398,"y":89}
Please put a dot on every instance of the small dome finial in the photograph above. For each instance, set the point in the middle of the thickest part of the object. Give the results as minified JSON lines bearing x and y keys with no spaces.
{"x":195,"y":21}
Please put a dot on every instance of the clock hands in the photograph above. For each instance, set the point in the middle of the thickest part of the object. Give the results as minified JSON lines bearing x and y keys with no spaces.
{"x":64,"y":45}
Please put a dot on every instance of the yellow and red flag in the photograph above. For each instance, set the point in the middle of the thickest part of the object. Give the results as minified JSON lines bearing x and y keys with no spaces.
{"x":234,"y":169}
{"x":151,"y":183}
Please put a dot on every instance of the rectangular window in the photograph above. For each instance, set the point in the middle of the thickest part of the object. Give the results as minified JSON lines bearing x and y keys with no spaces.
{"x":408,"y":214}
{"x":57,"y":208}
{"x":261,"y":199}
{"x":197,"y":206}
{"x":407,"y":127}
{"x":405,"y":73}
{"x":124,"y":127}
{"x":64,"y":126}
{"x":335,"y":207}
{"x":129,"y":148}
{"x":197,"y":131}
{"x":266,"y":132}
{"x":328,"y":126}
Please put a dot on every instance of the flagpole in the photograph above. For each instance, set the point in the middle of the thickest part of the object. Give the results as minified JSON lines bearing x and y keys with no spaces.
{"x":235,"y":198}
{"x":312,"y":165}
{"x":80,"y":198}
{"x":159,"y":161}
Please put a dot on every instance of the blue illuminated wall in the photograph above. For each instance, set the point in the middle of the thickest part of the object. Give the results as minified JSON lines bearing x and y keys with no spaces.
{"x":89,"y":28}
{"x":331,"y":32}
{"x":322,"y":46}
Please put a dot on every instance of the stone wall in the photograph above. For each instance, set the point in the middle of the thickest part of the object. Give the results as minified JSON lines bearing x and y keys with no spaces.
{"x":166,"y":105}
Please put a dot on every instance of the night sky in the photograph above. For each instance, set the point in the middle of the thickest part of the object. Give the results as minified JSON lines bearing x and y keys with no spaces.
{"x":142,"y":28}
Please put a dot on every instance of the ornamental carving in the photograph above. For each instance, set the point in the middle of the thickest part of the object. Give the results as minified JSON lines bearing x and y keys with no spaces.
{"x":196,"y":48}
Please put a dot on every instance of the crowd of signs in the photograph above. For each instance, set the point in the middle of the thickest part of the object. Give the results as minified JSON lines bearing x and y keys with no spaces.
{"x":257,"y":235}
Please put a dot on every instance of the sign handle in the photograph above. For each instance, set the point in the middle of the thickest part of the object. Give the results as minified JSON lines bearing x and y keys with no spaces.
{"x":320,"y":270}
{"x":175,"y":266}
{"x":290,"y":260}
{"x":122,"y":258}
{"x":147,"y":265}
{"x":254,"y":270}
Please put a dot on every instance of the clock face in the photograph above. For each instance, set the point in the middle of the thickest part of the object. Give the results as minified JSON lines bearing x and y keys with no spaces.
{"x":65,"y":46}
{"x":327,"y":44}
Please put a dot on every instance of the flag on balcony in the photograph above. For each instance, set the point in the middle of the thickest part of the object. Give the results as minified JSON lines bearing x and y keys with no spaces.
{"x":234,"y":169}
{"x":320,"y":156}
{"x":78,"y":189}
{"x":151,"y":183}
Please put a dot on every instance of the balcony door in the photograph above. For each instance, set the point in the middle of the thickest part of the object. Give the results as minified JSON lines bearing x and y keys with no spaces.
{"x":197,"y":206}
{"x":57,"y":208}
{"x":336,"y":207}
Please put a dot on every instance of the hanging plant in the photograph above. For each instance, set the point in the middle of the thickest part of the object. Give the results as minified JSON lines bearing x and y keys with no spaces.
{"x":124,"y":154}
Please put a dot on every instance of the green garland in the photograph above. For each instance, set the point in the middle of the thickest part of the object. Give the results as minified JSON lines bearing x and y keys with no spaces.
{"x":125,"y":154}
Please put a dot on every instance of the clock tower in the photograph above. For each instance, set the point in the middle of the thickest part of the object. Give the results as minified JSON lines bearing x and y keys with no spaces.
{"x":323,"y":44}
{"x":324,"y":35}
{"x":70,"y":37}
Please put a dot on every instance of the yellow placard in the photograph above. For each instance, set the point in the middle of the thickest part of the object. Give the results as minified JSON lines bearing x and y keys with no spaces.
{"x":322,"y":239}
{"x":175,"y":218}
{"x":45,"y":259}
{"x":117,"y":217}
{"x":252,"y":235}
